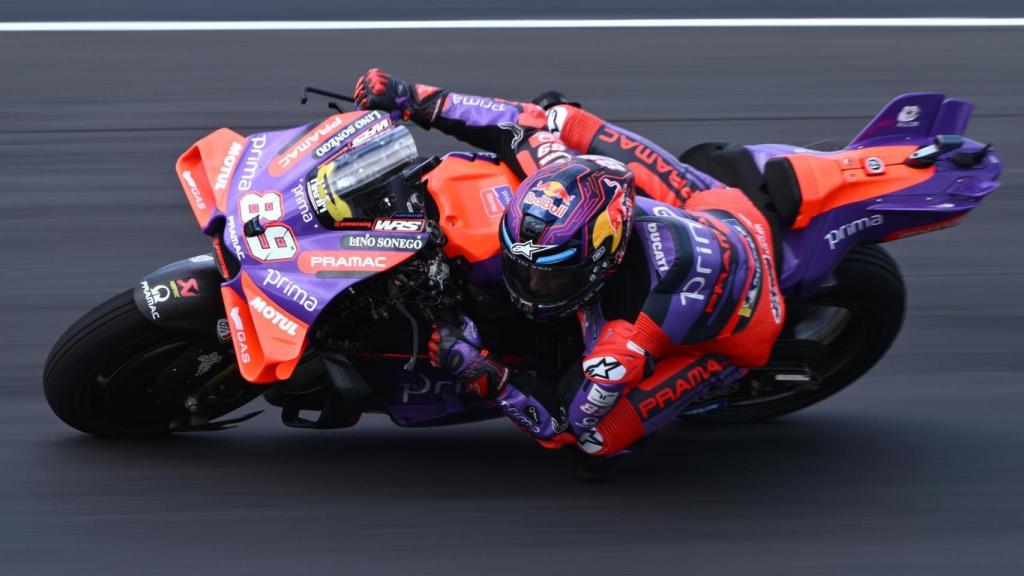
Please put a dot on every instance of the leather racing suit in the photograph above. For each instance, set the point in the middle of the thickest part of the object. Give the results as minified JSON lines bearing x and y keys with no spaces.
{"x":696,"y":300}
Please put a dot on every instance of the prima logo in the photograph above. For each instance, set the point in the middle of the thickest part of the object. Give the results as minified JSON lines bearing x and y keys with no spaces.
{"x":851,"y":229}
{"x":478,"y":102}
{"x":291,"y":290}
{"x":252,"y":161}
{"x":700,"y":274}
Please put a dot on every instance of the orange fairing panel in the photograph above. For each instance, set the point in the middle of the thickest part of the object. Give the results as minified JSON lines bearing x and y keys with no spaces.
{"x":269,"y":342}
{"x":471,"y":196}
{"x":834,"y":180}
{"x":205,"y":172}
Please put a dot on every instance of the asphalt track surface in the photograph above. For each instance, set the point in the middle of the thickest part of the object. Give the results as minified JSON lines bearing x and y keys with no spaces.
{"x":917,"y":469}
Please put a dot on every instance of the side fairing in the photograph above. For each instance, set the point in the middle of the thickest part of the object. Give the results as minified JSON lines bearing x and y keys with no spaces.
{"x":295,"y":267}
{"x":471,"y":192}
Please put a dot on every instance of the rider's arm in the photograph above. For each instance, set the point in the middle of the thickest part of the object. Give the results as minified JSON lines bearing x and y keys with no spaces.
{"x":705,"y":278}
{"x":513,"y":130}
{"x":657,"y":173}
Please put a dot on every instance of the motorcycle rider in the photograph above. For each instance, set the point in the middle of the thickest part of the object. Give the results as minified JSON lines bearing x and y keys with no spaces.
{"x":673,"y":296}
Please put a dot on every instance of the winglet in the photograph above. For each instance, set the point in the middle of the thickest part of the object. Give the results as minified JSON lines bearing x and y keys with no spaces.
{"x":912,"y":117}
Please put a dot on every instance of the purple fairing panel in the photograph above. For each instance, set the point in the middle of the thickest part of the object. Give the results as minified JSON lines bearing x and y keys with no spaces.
{"x":425,"y":397}
{"x":914,"y":117}
{"x":812,"y":252}
{"x":270,"y":181}
{"x":940,"y":201}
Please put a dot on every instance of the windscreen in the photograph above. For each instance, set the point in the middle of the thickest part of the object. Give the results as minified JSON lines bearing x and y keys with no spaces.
{"x":350,"y":185}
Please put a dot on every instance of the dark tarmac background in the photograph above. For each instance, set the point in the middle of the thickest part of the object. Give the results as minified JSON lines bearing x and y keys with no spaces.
{"x":916,"y":469}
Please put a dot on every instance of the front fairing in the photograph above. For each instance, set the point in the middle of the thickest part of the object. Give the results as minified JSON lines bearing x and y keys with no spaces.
{"x":287,"y":275}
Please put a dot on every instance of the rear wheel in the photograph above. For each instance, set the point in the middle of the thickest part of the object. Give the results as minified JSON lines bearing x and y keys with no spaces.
{"x":114,"y":373}
{"x":853,"y":322}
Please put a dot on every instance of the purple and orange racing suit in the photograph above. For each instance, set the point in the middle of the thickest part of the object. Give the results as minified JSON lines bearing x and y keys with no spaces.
{"x":696,"y":300}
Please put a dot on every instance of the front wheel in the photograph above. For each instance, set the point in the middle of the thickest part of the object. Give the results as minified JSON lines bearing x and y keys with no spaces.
{"x":853,"y":322}
{"x":114,"y":373}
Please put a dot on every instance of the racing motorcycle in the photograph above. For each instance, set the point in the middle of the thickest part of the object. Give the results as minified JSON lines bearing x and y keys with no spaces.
{"x":336,"y":245}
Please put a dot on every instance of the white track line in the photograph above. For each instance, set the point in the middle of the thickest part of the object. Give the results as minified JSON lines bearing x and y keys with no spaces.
{"x":190,"y":26}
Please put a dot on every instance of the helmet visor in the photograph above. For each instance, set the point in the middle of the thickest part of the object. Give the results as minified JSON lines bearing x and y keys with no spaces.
{"x":545,"y":284}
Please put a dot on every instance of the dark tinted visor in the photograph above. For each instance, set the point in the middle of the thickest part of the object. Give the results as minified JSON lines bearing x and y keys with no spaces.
{"x":545,"y":284}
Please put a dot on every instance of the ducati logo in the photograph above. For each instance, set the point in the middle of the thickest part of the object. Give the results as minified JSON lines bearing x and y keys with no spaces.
{"x":908,"y":114}
{"x":528,"y":248}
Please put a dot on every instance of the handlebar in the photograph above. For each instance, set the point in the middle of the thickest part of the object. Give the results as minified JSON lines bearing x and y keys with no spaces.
{"x":326,"y":94}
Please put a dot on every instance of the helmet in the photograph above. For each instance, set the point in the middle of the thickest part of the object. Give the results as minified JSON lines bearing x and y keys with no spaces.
{"x":564,"y":233}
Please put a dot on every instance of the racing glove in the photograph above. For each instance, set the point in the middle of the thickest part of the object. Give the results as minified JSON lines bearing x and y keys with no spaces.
{"x":378,"y":90}
{"x":459,"y":350}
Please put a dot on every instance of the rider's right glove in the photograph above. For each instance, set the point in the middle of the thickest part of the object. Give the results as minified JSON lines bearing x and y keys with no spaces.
{"x":458,"y":349}
{"x":378,"y":90}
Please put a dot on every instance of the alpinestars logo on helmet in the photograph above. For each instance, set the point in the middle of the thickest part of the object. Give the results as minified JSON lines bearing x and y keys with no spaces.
{"x":528,"y":248}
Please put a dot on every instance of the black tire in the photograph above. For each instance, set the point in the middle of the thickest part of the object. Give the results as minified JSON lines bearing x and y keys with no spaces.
{"x":101,"y":376}
{"x":870,"y":287}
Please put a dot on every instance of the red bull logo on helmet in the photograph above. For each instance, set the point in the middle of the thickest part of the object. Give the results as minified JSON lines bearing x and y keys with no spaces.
{"x":610,"y":223}
{"x":544,"y":195}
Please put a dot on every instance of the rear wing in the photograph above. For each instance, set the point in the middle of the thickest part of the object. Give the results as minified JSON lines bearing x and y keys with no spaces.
{"x":914,"y":119}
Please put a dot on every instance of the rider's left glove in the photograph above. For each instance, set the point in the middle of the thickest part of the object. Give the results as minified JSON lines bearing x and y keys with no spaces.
{"x":458,"y":349}
{"x":378,"y":90}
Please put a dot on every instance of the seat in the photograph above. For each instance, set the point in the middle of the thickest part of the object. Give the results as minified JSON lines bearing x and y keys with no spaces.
{"x":783,"y":189}
{"x":776,"y":192}
{"x":728,"y":163}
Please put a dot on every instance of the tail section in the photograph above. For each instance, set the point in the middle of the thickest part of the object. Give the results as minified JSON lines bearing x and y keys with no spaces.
{"x":913,"y":117}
